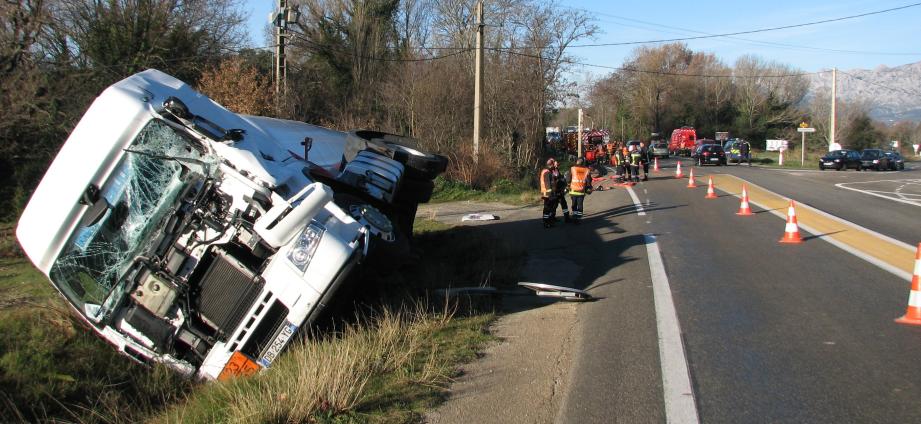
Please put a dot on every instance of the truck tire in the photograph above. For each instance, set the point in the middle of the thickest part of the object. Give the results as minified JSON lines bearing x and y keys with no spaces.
{"x":414,"y":190}
{"x":389,"y":248}
{"x":419,"y":164}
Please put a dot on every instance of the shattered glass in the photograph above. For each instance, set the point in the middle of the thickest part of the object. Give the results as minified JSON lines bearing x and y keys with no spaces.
{"x":140,"y":193}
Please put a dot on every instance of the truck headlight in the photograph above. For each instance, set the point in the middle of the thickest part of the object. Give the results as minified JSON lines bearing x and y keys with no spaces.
{"x":305,"y":246}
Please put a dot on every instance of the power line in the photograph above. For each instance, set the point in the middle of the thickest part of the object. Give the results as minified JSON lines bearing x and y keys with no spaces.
{"x":648,"y":71}
{"x":758,"y":42}
{"x":728,"y":34}
{"x":316,"y":47}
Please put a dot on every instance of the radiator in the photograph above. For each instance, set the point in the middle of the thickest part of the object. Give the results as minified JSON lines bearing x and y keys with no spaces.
{"x":227,"y":290}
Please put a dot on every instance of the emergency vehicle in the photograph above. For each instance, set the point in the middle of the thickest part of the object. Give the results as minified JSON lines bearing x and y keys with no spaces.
{"x":683,"y":141}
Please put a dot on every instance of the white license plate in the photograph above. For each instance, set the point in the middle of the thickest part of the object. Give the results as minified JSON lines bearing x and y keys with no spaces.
{"x":714,"y":159}
{"x":278,"y":344}
{"x":829,"y":163}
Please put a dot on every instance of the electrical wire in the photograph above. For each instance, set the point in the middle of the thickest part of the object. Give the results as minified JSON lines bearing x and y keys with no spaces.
{"x":316,"y":47}
{"x":648,"y":71}
{"x":756,"y":42}
{"x":728,"y":34}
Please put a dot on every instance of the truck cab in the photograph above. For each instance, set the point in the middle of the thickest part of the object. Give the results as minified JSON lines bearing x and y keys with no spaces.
{"x":185,"y":234}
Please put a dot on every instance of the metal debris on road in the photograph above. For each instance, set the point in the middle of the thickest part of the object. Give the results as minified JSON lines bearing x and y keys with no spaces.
{"x":565,"y":293}
{"x":479,"y":217}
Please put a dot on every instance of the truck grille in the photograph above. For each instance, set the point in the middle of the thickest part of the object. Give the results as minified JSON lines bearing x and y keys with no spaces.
{"x":227,"y":290}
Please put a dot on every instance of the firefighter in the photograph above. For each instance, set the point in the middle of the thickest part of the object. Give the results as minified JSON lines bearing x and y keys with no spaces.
{"x":561,"y":182}
{"x":644,"y":157}
{"x":579,"y":186}
{"x":547,"y":192}
{"x":621,"y":164}
{"x":617,"y":160}
{"x":635,"y":159}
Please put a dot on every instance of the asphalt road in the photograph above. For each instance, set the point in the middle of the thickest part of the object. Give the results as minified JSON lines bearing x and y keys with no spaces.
{"x":772,"y":332}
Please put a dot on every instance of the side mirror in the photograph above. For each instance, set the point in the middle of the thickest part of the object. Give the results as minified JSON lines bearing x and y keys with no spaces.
{"x":176,"y":107}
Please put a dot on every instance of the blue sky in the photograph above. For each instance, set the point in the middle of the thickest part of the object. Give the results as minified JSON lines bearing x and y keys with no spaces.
{"x":807,"y":48}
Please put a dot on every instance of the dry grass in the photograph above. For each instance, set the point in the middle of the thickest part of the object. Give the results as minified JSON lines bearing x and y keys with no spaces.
{"x":332,"y":376}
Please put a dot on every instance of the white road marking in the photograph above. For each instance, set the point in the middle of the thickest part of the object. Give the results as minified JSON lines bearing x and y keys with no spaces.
{"x":678,"y":393}
{"x":900,"y":197}
{"x":636,"y":202}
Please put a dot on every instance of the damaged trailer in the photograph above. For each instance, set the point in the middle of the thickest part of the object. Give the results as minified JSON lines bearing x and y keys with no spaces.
{"x":188,"y":235}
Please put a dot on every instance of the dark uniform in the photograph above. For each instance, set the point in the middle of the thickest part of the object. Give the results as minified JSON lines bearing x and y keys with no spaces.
{"x":644,"y":158}
{"x":620,"y":167}
{"x":635,"y":158}
{"x":579,"y":186}
{"x":745,"y":153}
{"x":548,"y":183}
{"x":560,"y":188}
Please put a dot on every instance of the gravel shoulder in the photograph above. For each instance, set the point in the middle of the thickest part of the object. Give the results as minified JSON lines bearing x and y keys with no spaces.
{"x":521,"y":378}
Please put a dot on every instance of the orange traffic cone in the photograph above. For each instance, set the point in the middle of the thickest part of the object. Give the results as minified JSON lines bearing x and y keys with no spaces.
{"x":711,"y":193}
{"x":791,"y":231}
{"x":678,"y":173}
{"x":691,"y":182}
{"x":744,"y":208}
{"x":655,"y":165}
{"x":913,"y":314}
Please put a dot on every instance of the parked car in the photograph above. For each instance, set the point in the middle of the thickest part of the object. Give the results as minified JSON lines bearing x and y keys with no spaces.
{"x":896,"y":162}
{"x":710,"y":154}
{"x":659,"y":150}
{"x":188,"y":235}
{"x":840,"y":160}
{"x":874,"y":159}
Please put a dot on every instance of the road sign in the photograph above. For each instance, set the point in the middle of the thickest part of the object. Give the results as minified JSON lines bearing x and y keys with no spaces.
{"x":805,"y":130}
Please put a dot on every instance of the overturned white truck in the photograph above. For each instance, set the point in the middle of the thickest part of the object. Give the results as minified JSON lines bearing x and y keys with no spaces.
{"x":189,"y":235}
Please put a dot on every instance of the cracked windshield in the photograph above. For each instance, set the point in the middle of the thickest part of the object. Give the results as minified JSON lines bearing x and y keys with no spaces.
{"x":139,"y":193}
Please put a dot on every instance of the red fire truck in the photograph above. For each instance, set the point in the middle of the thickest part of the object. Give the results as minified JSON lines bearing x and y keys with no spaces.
{"x":682,"y":141}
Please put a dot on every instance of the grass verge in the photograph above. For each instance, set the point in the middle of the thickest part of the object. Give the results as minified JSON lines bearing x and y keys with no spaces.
{"x":389,"y":366}
{"x":505,"y":191}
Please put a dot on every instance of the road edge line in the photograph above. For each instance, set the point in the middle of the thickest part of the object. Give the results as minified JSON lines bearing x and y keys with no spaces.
{"x":677,"y":391}
{"x":636,"y":202}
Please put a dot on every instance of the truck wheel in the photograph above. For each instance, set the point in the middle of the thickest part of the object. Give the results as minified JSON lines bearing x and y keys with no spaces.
{"x":419,"y":164}
{"x":414,"y":190}
{"x":389,"y":247}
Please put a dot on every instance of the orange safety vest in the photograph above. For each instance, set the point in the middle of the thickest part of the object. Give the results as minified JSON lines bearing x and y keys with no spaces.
{"x":580,"y":180}
{"x":544,"y":189}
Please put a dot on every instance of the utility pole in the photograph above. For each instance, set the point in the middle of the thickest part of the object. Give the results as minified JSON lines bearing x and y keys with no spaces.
{"x":834,"y":100}
{"x":478,"y":83}
{"x":281,"y":35}
{"x":579,"y":134}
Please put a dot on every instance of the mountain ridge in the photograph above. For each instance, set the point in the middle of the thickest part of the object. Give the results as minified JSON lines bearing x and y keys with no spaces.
{"x":890,"y":93}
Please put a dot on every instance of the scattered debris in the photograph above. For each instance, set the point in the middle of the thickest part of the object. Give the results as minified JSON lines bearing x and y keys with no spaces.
{"x":565,"y":293}
{"x":479,"y":217}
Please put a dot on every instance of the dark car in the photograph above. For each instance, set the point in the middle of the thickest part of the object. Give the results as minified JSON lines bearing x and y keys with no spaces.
{"x":711,"y":154}
{"x":874,"y":159}
{"x":896,"y":162}
{"x":840,"y":160}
